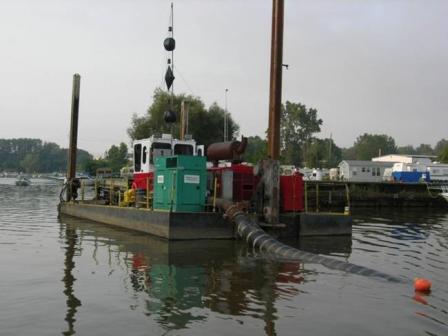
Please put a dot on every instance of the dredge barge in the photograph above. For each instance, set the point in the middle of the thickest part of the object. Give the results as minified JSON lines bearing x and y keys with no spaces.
{"x":174,"y":193}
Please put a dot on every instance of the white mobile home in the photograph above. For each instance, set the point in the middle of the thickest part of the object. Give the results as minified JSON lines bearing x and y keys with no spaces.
{"x":438,"y":171}
{"x":363,"y":171}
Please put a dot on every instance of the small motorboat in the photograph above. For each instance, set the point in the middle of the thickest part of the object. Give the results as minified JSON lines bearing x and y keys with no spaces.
{"x":22,"y":181}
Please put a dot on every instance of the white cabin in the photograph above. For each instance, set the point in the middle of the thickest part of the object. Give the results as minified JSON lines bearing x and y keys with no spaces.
{"x":146,"y":150}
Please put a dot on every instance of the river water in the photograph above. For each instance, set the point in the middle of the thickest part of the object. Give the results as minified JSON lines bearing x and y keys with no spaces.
{"x":69,"y":276}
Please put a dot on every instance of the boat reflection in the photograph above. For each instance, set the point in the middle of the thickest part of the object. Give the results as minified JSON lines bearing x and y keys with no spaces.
{"x":180,"y":282}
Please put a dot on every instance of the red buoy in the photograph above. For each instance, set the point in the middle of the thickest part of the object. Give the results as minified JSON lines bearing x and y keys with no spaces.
{"x":422,"y":285}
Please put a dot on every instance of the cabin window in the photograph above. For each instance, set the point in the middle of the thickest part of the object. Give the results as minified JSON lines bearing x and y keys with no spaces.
{"x":181,"y":149}
{"x":145,"y":153}
{"x":137,"y":157}
{"x":363,"y":169}
{"x":354,"y":173}
{"x":378,"y":171}
{"x":159,"y":149}
{"x":373,"y":172}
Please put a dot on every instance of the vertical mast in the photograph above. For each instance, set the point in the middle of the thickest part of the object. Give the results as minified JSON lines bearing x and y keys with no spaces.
{"x":170,"y":44}
{"x":226,"y":127}
{"x":275,"y":93}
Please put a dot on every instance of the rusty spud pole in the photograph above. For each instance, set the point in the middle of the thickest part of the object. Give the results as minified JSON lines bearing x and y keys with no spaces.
{"x":275,"y":93}
{"x":73,"y":146}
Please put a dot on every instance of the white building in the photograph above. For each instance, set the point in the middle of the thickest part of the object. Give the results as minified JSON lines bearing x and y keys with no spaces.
{"x":363,"y":171}
{"x":438,"y":171}
{"x":398,"y":158}
{"x":418,"y":163}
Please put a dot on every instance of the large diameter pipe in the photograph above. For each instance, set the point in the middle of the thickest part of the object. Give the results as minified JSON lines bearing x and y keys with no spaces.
{"x":73,"y":146}
{"x":275,"y":92}
{"x":226,"y":150}
{"x":249,"y":230}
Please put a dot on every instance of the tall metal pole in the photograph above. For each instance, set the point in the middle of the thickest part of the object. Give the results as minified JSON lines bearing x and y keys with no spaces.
{"x":226,"y":127}
{"x":275,"y":94}
{"x":71,"y":166}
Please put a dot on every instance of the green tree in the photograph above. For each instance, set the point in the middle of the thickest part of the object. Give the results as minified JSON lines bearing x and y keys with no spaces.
{"x":424,"y":149}
{"x":117,"y":157}
{"x":348,"y":153}
{"x":440,"y":146}
{"x":368,"y":146}
{"x":443,"y":156}
{"x":406,"y":150}
{"x":298,"y":124}
{"x":92,"y":165}
{"x":323,"y":153}
{"x":256,"y":149}
{"x":30,"y":163}
{"x":205,"y":125}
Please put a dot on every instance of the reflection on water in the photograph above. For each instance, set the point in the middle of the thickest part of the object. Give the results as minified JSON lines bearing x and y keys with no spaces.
{"x":179,"y":281}
{"x":72,"y":301}
{"x":69,"y":276}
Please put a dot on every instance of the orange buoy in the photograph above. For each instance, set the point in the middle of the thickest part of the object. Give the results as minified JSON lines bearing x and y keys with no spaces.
{"x":422,"y":285}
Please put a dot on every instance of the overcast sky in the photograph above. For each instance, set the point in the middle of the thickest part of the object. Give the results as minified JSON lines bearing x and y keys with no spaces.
{"x":376,"y":66}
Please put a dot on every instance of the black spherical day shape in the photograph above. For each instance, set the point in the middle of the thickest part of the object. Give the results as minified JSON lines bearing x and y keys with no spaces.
{"x":169,"y":44}
{"x":169,"y":116}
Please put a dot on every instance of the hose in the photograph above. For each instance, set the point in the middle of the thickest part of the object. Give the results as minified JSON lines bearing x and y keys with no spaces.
{"x":256,"y":237}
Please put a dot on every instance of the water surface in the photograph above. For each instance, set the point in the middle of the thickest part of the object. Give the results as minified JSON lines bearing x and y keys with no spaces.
{"x":69,"y":276}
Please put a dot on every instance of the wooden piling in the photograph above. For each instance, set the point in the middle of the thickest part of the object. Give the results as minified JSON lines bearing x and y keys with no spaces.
{"x":73,"y":146}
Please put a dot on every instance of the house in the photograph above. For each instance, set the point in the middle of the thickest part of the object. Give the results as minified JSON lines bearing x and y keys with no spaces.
{"x":363,"y":171}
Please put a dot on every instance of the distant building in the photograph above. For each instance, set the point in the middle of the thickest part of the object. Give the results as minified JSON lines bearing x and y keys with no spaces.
{"x":438,"y":171}
{"x":401,"y":158}
{"x":417,"y":163}
{"x":363,"y":171}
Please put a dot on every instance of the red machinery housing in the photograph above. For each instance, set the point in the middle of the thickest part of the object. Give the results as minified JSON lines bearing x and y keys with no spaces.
{"x":291,"y":193}
{"x":236,"y":182}
{"x":143,"y":181}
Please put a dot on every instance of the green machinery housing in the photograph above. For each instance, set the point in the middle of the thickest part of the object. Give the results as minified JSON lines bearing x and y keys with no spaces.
{"x":180,"y":183}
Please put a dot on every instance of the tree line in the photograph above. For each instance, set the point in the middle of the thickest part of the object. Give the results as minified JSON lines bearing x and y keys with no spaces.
{"x":36,"y":156}
{"x":299,"y":144}
{"x":301,"y":147}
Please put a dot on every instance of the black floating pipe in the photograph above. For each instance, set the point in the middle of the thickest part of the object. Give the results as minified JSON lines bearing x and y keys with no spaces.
{"x":256,"y":237}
